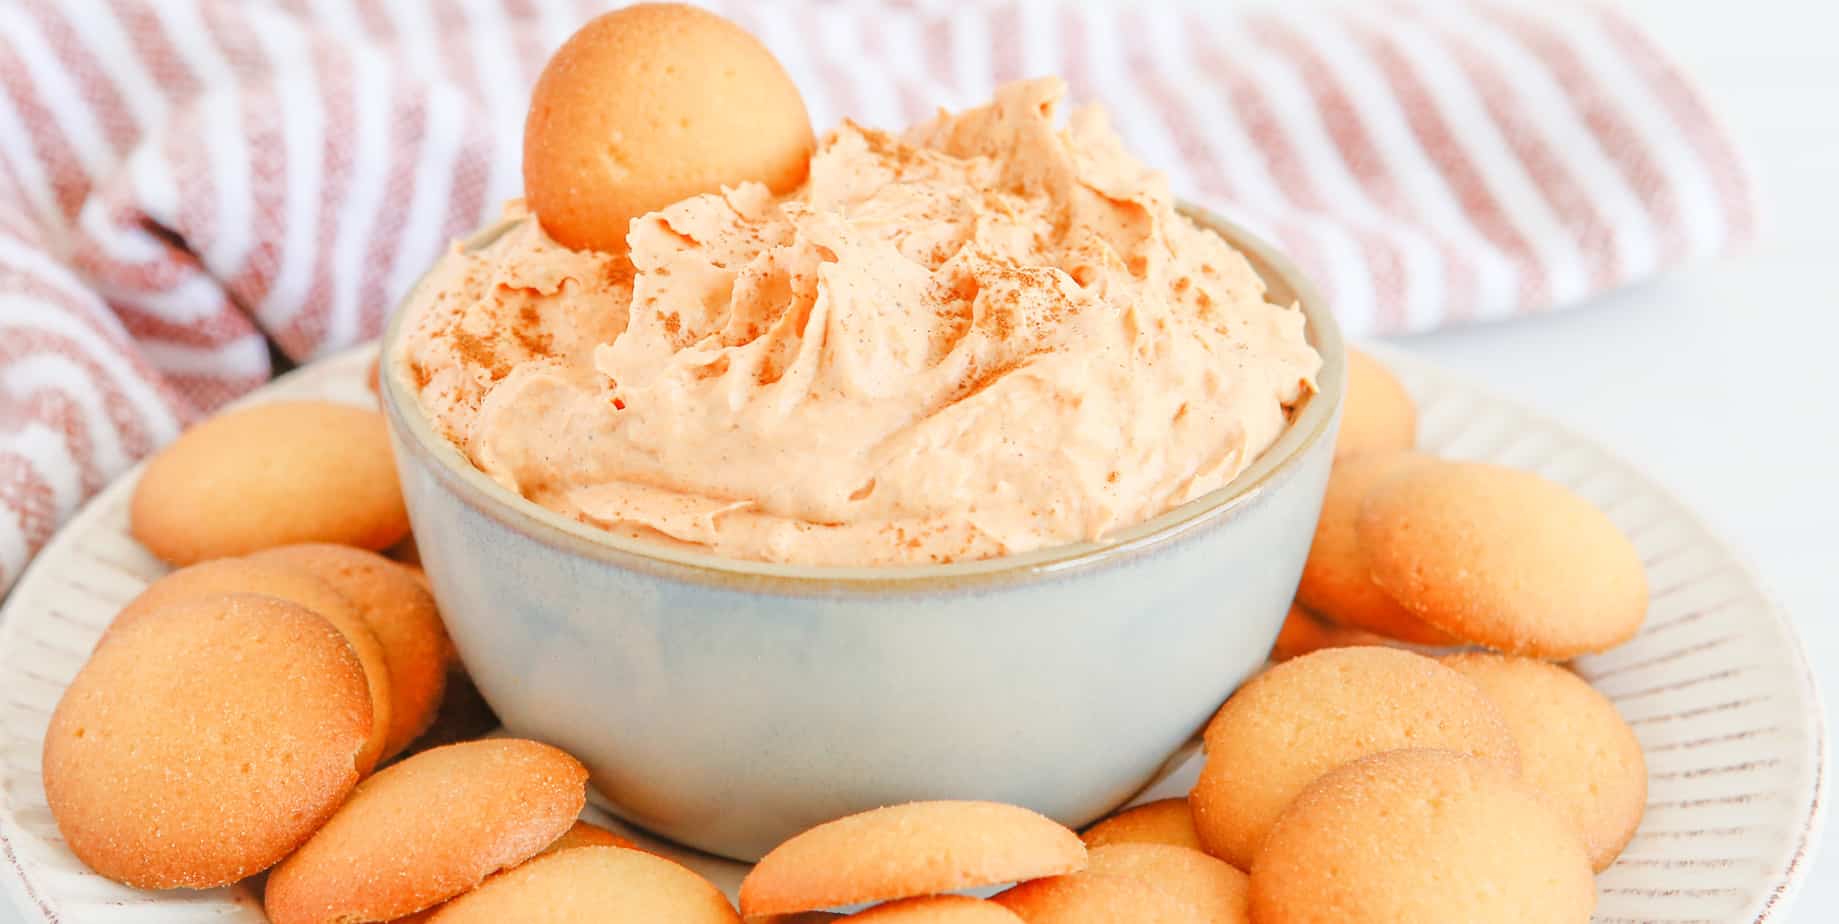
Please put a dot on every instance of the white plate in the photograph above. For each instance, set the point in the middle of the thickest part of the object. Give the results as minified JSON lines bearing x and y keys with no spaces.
{"x":1716,"y":686}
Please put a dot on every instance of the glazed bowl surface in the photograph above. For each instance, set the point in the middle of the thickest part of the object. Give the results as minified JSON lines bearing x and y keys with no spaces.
{"x":729,"y":704}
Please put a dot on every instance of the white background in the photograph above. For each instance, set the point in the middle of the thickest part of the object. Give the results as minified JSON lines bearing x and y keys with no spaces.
{"x":1720,"y":380}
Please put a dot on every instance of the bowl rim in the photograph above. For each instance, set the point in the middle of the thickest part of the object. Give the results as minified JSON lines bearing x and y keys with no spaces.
{"x":1311,"y":421}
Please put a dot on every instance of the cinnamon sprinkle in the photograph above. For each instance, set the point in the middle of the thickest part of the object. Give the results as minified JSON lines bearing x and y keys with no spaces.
{"x":976,"y":383}
{"x":619,"y":270}
{"x":529,"y":332}
{"x":479,"y":353}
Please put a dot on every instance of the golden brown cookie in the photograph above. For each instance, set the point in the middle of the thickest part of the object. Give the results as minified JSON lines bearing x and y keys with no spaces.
{"x":1504,"y":559}
{"x":428,"y":828}
{"x":1214,"y":889}
{"x":584,"y":834}
{"x":592,"y":885}
{"x":241,"y":575}
{"x":1336,"y":581}
{"x":1574,"y":746}
{"x":900,"y":851}
{"x":938,"y":909}
{"x":1379,"y":415}
{"x":581,"y":835}
{"x":1304,"y":632}
{"x":1304,"y":717}
{"x":1089,"y":898}
{"x":1165,"y":821}
{"x":401,"y":612}
{"x":649,"y":105}
{"x":268,"y":475}
{"x":1430,"y":837}
{"x":205,"y":740}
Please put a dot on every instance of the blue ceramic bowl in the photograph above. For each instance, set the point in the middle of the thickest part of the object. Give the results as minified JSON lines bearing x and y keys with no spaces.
{"x":730,"y":704}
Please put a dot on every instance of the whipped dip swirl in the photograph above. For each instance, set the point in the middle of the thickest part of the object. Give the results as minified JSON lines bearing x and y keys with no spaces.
{"x":985,"y":336}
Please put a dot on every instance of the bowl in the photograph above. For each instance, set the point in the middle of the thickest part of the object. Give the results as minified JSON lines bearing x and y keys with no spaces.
{"x":730,"y":704}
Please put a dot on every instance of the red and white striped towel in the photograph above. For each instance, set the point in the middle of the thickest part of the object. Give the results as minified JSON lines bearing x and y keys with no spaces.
{"x":186,"y":183}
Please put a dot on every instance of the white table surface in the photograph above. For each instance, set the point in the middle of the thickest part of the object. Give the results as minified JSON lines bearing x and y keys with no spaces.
{"x":1720,"y":380}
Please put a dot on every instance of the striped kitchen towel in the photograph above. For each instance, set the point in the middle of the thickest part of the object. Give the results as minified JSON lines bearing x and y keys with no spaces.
{"x":191,"y":188}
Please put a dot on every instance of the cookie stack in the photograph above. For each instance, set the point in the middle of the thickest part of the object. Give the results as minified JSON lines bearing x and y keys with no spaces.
{"x":1414,"y":549}
{"x":232,"y":707}
{"x":231,"y":717}
{"x":1347,"y":769}
{"x":1418,"y":755}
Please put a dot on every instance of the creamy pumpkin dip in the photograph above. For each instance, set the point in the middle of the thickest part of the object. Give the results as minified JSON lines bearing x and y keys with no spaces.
{"x":986,"y":335}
